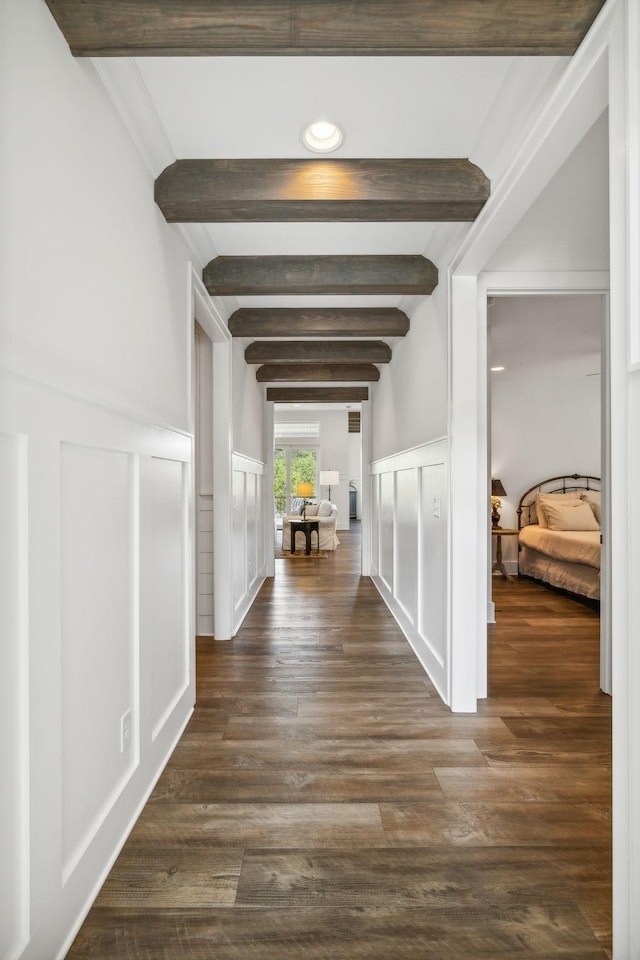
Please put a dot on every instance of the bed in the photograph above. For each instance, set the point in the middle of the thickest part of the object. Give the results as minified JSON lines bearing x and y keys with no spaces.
{"x":559,"y":534}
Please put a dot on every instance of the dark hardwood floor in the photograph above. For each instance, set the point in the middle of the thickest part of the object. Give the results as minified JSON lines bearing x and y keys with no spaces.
{"x":324,"y":805}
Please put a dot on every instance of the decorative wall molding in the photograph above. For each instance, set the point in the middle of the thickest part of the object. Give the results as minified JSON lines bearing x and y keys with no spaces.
{"x":409,"y":549}
{"x":85,"y":643}
{"x":249,"y":513}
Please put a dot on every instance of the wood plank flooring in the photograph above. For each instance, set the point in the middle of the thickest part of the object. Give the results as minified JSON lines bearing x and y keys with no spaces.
{"x":324,"y":805}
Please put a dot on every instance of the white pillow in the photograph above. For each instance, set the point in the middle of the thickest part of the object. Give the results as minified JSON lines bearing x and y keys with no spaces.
{"x":570,"y":516}
{"x":594,"y":499}
{"x":573,"y":496}
{"x":325,"y":508}
{"x":312,"y":510}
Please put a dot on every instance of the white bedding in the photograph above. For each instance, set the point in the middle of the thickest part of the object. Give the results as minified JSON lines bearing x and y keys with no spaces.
{"x":571,"y":546}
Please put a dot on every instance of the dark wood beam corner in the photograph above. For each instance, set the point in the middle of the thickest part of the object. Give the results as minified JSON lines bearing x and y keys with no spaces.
{"x":318,"y":351}
{"x":98,"y":28}
{"x":367,"y":275}
{"x":317,"y":394}
{"x":321,"y":190}
{"x":318,"y":372}
{"x":319,"y":322}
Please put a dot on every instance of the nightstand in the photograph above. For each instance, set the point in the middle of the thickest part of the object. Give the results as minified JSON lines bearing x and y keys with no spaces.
{"x":499,"y":533}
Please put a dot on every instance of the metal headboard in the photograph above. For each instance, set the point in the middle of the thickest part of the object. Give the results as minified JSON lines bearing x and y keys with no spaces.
{"x":564,"y":484}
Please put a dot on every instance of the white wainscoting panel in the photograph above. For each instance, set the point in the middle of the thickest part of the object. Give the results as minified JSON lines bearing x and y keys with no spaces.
{"x":249,"y":562}
{"x":387,"y":532}
{"x":409,"y":550}
{"x":99,"y":637}
{"x":375,"y":479}
{"x":239,"y":538}
{"x":163,"y":598}
{"x":432,"y":611}
{"x":406,"y":542}
{"x":14,"y":795}
{"x":80,"y":648}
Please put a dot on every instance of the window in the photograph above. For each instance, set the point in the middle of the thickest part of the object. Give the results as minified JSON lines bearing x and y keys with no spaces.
{"x":295,"y":461}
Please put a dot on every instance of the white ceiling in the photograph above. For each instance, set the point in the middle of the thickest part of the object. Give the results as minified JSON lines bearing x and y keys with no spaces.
{"x":226,"y":107}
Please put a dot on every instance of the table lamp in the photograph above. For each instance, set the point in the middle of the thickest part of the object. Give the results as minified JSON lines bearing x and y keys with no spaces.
{"x":497,"y":491}
{"x":304,"y":490}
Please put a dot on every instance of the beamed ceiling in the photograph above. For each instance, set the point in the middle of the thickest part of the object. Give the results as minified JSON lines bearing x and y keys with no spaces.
{"x":315,"y":258}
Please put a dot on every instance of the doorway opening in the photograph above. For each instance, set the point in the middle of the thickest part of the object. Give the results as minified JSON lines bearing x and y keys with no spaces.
{"x":548,"y":419}
{"x":316,"y":445}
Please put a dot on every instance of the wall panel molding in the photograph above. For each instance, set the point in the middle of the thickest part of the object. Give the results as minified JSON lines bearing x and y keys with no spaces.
{"x":249,"y":559}
{"x":409,"y":549}
{"x":79,"y":648}
{"x":14,"y":696}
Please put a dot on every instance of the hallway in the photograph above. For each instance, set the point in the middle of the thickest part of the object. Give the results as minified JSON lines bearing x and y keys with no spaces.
{"x":324,"y":805}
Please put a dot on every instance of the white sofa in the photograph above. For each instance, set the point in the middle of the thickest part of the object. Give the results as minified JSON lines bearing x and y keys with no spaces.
{"x":326,"y":514}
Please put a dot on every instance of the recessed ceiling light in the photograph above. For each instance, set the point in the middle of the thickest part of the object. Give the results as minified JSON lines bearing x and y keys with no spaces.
{"x":322,"y":137}
{"x":496,"y":369}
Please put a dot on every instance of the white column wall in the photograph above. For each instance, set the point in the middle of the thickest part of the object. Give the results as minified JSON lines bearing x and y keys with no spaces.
{"x":95,"y":485}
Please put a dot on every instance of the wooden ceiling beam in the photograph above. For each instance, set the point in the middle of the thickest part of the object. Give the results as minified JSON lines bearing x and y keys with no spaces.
{"x":367,"y":275}
{"x":317,"y":394}
{"x":106,"y":28}
{"x":321,"y":190}
{"x":318,"y":351}
{"x":320,"y":372}
{"x":321,"y":322}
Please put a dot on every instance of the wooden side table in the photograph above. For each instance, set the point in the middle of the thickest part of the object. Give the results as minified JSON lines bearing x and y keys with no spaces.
{"x":307,"y":527}
{"x":499,"y":533}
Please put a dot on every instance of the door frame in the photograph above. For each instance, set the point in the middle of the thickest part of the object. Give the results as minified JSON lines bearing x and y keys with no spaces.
{"x":589,"y":283}
{"x":203,"y":309}
{"x":605,"y":71}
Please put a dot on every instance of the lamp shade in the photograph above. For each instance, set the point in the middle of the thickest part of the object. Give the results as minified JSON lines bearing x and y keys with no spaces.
{"x":329,"y":478}
{"x":497,"y":490}
{"x":304,"y":490}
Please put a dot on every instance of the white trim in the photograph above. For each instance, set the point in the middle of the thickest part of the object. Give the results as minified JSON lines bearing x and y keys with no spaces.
{"x":366,"y":510}
{"x":208,"y":316}
{"x":405,"y":459}
{"x":269,"y":496}
{"x":247,"y":464}
{"x":468,"y":491}
{"x":128,"y":92}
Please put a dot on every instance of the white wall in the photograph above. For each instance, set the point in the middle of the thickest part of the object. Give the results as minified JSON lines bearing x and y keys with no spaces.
{"x":409,"y":403}
{"x":95,"y":461}
{"x":247,"y":406}
{"x":90,"y":275}
{"x":575,"y":204}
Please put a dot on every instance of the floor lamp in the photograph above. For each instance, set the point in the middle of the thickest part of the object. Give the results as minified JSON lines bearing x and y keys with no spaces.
{"x":329,"y":478}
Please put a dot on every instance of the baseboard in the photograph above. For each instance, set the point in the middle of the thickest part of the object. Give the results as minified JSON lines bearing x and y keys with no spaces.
{"x":416,"y":641}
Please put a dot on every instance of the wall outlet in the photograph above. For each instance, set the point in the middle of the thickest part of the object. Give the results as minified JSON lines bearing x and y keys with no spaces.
{"x":125,"y":731}
{"x":436,"y":506}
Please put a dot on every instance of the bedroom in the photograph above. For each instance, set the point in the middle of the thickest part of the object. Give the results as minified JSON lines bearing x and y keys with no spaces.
{"x":546,"y":402}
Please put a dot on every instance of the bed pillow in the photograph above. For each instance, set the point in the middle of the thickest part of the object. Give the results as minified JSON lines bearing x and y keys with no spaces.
{"x":594,"y":499}
{"x":570,"y":516}
{"x":553,"y":498}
